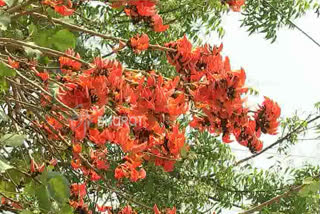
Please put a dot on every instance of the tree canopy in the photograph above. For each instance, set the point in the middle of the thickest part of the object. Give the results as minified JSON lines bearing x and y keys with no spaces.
{"x":118,"y":107}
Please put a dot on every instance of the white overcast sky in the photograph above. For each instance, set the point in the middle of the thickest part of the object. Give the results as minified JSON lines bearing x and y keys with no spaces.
{"x":286,"y":71}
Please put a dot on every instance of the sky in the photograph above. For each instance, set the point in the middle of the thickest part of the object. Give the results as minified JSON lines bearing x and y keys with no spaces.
{"x":286,"y":71}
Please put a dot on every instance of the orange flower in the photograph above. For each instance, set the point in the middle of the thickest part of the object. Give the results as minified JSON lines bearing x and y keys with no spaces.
{"x":139,"y":43}
{"x":68,"y":65}
{"x":13,"y":64}
{"x":63,"y":7}
{"x":76,"y":164}
{"x":236,"y":5}
{"x":76,"y":148}
{"x":63,"y":10}
{"x":267,"y":117}
{"x":103,"y":208}
{"x":78,"y":189}
{"x":44,"y":76}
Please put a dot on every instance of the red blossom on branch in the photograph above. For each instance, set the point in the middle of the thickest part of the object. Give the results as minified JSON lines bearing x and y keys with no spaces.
{"x":139,"y":43}
{"x":63,"y":7}
{"x":236,"y":5}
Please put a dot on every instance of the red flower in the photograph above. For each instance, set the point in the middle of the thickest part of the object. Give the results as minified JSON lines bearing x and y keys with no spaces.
{"x":127,"y":210}
{"x":2,"y":3}
{"x":94,"y":176}
{"x":76,"y":164}
{"x":63,"y":10}
{"x":53,"y":162}
{"x":158,"y":24}
{"x":145,"y":10}
{"x":76,"y":148}
{"x":267,"y":117}
{"x":44,"y":76}
{"x":139,"y":43}
{"x":68,"y":65}
{"x":103,"y":208}
{"x":236,"y":5}
{"x":176,"y":140}
{"x":12,"y":63}
{"x":171,"y":211}
{"x":156,"y":210}
{"x":63,"y":7}
{"x":3,"y":200}
{"x":79,"y":190}
{"x":144,"y":7}
{"x":34,"y":167}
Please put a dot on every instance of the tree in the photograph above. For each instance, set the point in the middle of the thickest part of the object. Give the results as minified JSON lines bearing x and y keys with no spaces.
{"x":88,"y":134}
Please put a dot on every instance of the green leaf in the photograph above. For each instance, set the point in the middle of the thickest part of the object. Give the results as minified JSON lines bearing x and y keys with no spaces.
{"x":42,"y":38}
{"x":184,"y":151}
{"x":67,"y":209}
{"x":311,"y":187}
{"x":9,"y":2}
{"x":12,"y":139}
{"x":5,"y":71}
{"x":4,"y":21}
{"x":63,"y":40}
{"x":3,"y":84}
{"x":4,"y":166}
{"x":58,"y":187}
{"x":26,"y":212}
{"x":42,"y":195}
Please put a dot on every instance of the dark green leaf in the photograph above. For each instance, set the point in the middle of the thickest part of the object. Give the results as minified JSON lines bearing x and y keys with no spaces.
{"x":63,"y":40}
{"x":5,"y":71}
{"x":58,"y":187}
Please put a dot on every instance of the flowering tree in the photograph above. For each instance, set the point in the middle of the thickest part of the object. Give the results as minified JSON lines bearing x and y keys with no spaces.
{"x":134,"y":126}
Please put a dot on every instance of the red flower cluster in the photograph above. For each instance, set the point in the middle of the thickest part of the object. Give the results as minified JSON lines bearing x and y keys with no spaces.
{"x":139,"y":43}
{"x":236,"y":5}
{"x":144,"y":10}
{"x":267,"y":117}
{"x":63,"y":7}
{"x":151,"y":105}
{"x":34,"y":167}
{"x":144,"y":107}
{"x":218,"y":92}
{"x":154,"y":106}
{"x":78,"y":192}
{"x":128,"y":169}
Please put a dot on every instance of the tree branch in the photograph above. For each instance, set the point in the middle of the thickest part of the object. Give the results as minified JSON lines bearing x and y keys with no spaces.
{"x":298,"y":129}
{"x":108,"y":37}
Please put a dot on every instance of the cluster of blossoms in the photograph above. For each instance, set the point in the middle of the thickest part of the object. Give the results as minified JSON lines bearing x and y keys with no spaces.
{"x":78,"y":192}
{"x":218,"y":92}
{"x":142,"y":10}
{"x":206,"y":87}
